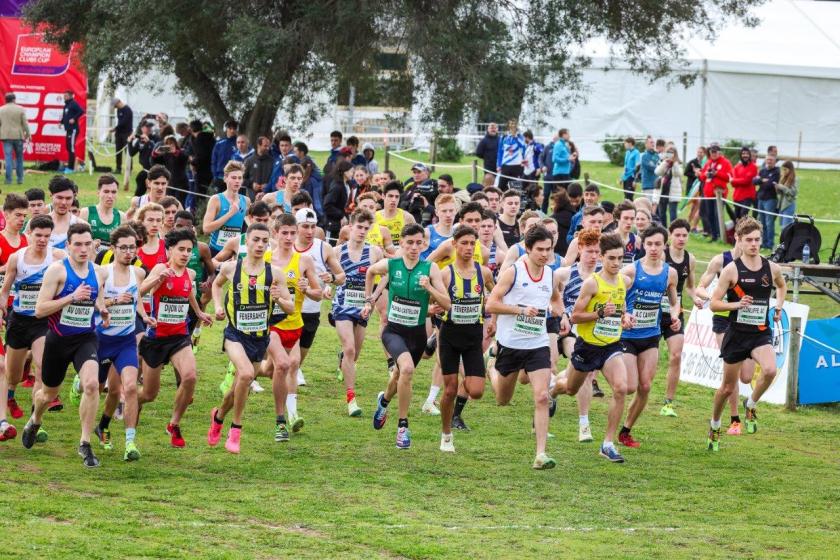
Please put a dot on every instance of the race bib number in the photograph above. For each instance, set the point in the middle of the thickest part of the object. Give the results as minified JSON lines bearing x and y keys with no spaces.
{"x":404,"y":312}
{"x":252,"y":318}
{"x":226,"y":234}
{"x":646,"y":317}
{"x":530,"y":325}
{"x":665,"y":306}
{"x":752,"y":315}
{"x":28,"y":296}
{"x":173,"y":310}
{"x":608,"y":327}
{"x":465,"y":311}
{"x":77,"y":314}
{"x":354,"y":298}
{"x":122,"y":315}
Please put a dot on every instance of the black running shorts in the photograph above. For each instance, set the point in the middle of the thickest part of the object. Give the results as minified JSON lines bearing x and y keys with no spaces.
{"x":457,"y":343}
{"x":156,"y":352}
{"x":737,"y":346}
{"x":61,"y":351}
{"x":311,"y":321}
{"x":636,"y":346}
{"x":23,"y":330}
{"x":588,"y":357}
{"x":398,"y":339}
{"x":512,"y":360}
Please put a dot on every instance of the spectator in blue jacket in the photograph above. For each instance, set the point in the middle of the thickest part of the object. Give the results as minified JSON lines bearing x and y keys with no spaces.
{"x":649,"y":161}
{"x":70,"y":121}
{"x":510,"y":156}
{"x":243,"y":149}
{"x":591,"y":197}
{"x":335,"y":148}
{"x":632,"y":160}
{"x":223,"y":152}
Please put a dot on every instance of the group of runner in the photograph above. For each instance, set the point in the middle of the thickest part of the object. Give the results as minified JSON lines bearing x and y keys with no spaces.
{"x":480,"y":292}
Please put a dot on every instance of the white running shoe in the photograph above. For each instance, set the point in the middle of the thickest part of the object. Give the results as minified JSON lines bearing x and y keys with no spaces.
{"x":256,"y":387}
{"x":353,"y":409}
{"x":430,"y":409}
{"x":300,"y":380}
{"x":584,"y":434}
{"x":446,"y":443}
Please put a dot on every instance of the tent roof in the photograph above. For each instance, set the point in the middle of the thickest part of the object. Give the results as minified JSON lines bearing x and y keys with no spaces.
{"x":794,"y":38}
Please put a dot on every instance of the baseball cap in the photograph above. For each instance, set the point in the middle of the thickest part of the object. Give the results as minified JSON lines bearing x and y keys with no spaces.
{"x":345,"y":151}
{"x":714,"y":147}
{"x":306,"y":216}
{"x":419,"y":167}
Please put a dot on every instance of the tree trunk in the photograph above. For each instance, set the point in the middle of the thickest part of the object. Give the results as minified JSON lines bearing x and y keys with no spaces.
{"x":259,"y":121}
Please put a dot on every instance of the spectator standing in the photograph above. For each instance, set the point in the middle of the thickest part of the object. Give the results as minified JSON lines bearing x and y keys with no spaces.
{"x":691,"y":171}
{"x":258,"y":168}
{"x":648,"y":163}
{"x":671,"y":174}
{"x":562,"y":160}
{"x":767,"y":179}
{"x":510,"y":156}
{"x":369,"y":153}
{"x":487,"y":150}
{"x":122,"y":131}
{"x":70,"y":116}
{"x":562,"y":214}
{"x":243,"y":149}
{"x":788,"y":189}
{"x":419,"y":195}
{"x":223,"y":151}
{"x":591,"y":197}
{"x":531,"y":163}
{"x":356,"y":158}
{"x":142,"y":143}
{"x":337,"y":198}
{"x":171,"y":156}
{"x":743,"y":188}
{"x":313,"y":181}
{"x":200,"y":155}
{"x":715,"y":175}
{"x":632,"y":160}
{"x":14,"y":131}
{"x":575,"y":155}
{"x":335,"y":147}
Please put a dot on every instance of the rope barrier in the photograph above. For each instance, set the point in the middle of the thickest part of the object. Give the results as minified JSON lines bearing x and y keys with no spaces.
{"x":815,"y":341}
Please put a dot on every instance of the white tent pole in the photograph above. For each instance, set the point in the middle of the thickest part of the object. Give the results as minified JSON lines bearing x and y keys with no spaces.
{"x":705,"y":78}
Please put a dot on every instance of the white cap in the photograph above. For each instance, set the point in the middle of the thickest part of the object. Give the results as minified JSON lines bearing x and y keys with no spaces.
{"x":306,"y":216}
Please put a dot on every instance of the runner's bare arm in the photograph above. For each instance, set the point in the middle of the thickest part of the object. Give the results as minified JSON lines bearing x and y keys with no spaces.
{"x":436,"y":287}
{"x":135,"y":201}
{"x":280,"y":292}
{"x":499,"y":238}
{"x":156,"y":277}
{"x":222,"y":278}
{"x":380,"y":268}
{"x":141,"y":309}
{"x":781,"y":289}
{"x":728,"y":278}
{"x":210,"y":222}
{"x":511,"y":257}
{"x":494,"y":302}
{"x":9,"y":279}
{"x":228,"y":252}
{"x":388,"y":243}
{"x":53,"y":281}
{"x":313,"y":290}
{"x":441,"y":252}
{"x":690,"y":285}
{"x":489,"y":283}
{"x":572,"y":253}
{"x":101,"y":276}
{"x":711,"y":271}
{"x":334,"y":267}
{"x":209,"y":266}
{"x":205,"y":318}
{"x":579,"y":313}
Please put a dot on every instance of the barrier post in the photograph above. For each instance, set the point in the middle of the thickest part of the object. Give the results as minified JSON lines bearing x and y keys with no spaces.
{"x":475,"y":171}
{"x":387,"y":157}
{"x":685,"y":146}
{"x":793,"y":364}
{"x":433,"y":151}
{"x":799,"y":149}
{"x":720,"y":216}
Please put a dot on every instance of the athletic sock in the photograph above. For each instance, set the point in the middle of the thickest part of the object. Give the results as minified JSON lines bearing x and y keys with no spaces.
{"x":235,"y":426}
{"x":460,"y":403}
{"x":129,"y":434}
{"x":735,"y":418}
{"x":281,"y":419}
{"x":216,"y":418}
{"x":624,"y":430}
{"x":750,"y":402}
{"x":669,"y":401}
{"x":291,"y":404}
{"x":715,"y":424}
{"x":608,"y":445}
{"x":391,"y":363}
{"x":402,"y":423}
{"x":433,"y":393}
{"x":11,"y":394}
{"x":583,"y":420}
{"x":104,"y":422}
{"x":351,"y":394}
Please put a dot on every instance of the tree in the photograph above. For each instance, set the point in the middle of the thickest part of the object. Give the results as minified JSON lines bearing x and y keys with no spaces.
{"x":250,"y":58}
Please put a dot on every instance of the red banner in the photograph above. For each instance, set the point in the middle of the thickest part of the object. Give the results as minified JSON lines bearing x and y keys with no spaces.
{"x":39,"y":73}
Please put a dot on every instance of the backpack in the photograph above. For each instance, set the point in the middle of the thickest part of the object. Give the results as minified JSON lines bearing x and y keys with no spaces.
{"x":794,"y":237}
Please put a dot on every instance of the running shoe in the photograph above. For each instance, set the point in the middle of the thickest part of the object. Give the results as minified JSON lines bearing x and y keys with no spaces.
{"x":458,"y":424}
{"x":296,"y":421}
{"x":403,"y":438}
{"x":227,"y":382}
{"x":713,"y":441}
{"x":281,"y":433}
{"x":611,"y":454}
{"x":544,"y":462}
{"x":668,"y":410}
{"x":353,"y":409}
{"x":104,"y":438}
{"x":131,"y":452}
{"x":120,"y":412}
{"x":750,"y":419}
{"x":381,"y":414}
{"x":301,"y":381}
{"x":7,"y":431}
{"x":14,"y":408}
{"x":214,"y":434}
{"x":56,"y":405}
{"x":431,"y":345}
{"x":339,"y":375}
{"x":430,"y":409}
{"x":88,"y":458}
{"x":76,"y":390}
{"x":28,"y":382}
{"x":584,"y":434}
{"x":627,"y":440}
{"x":176,"y":439}
{"x":596,"y":391}
{"x":256,"y":387}
{"x":232,"y":443}
{"x":734,"y":428}
{"x":29,"y":436}
{"x":447,"y":444}
{"x":41,"y":435}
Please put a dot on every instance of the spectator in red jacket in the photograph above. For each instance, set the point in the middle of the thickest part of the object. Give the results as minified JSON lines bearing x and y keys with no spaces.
{"x":716,"y":174}
{"x":742,"y":183}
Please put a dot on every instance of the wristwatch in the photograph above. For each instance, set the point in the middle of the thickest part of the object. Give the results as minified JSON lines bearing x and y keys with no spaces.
{"x":601,"y":313}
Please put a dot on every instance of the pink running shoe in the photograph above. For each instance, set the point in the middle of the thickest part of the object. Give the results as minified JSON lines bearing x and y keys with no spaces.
{"x":214,"y":434}
{"x":734,"y":429}
{"x":232,"y":443}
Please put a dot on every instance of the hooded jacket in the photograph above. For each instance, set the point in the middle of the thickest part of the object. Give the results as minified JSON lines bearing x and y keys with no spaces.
{"x":743,"y":187}
{"x":715,"y":175}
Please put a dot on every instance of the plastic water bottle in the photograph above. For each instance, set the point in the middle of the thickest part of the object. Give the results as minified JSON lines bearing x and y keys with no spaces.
{"x":806,"y":254}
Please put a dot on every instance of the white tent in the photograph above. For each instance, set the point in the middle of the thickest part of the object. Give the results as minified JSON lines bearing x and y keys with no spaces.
{"x":767,"y":84}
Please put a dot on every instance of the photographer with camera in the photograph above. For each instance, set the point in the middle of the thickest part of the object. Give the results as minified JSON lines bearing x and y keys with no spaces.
{"x":171,"y":156}
{"x":419,"y":196}
{"x":141,"y":143}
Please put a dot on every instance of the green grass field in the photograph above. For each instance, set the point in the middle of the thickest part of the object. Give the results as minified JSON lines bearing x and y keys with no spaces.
{"x":340,"y":489}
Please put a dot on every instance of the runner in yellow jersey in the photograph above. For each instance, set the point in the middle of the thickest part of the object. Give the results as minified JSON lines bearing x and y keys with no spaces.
{"x":284,"y":344}
{"x":378,"y":235}
{"x":599,"y":314}
{"x":391,"y":216}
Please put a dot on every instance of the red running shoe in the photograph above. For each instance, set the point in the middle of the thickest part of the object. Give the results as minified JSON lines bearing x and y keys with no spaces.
{"x":174,"y":432}
{"x":7,"y":432}
{"x":28,"y":382}
{"x":56,"y":405}
{"x":627,"y":440}
{"x":14,"y":408}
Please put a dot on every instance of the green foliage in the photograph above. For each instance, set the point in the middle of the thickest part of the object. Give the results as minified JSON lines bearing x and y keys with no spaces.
{"x":732,"y":148}
{"x":613,"y":146}
{"x":448,"y":150}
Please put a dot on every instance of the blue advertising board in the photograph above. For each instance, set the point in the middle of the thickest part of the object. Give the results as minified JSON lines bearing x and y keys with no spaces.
{"x":819,"y":366}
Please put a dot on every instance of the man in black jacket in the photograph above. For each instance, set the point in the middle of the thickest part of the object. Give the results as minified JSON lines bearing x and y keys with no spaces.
{"x":125,"y":124}
{"x":141,"y":144}
{"x":418,"y":198}
{"x":201,"y":153}
{"x":487,"y":150}
{"x":258,"y":168}
{"x":70,"y":122}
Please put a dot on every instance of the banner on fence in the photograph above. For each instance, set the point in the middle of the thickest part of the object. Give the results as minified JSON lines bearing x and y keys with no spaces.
{"x":39,"y":73}
{"x":702,"y":365}
{"x":819,"y":367}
